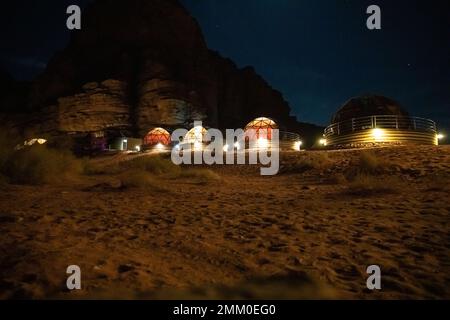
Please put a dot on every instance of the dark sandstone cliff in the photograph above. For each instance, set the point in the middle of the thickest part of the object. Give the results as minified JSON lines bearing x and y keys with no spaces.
{"x":142,"y":63}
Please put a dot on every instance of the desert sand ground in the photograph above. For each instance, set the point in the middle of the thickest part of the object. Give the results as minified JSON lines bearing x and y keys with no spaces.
{"x":305,"y":233}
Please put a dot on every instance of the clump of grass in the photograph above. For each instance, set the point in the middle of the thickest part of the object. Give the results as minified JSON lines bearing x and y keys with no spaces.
{"x":337,"y":178}
{"x":156,"y":165}
{"x":153,"y":164}
{"x":95,"y":169}
{"x":367,"y":185}
{"x":139,"y":171}
{"x":141,"y":180}
{"x":368,"y":165}
{"x":313,"y":161}
{"x":38,"y":164}
{"x":321,"y":161}
{"x":198,"y":176}
{"x":165,"y":168}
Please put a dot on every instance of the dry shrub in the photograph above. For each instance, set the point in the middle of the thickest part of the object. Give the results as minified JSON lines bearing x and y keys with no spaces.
{"x":165,"y":168}
{"x":368,"y":165}
{"x":321,"y":161}
{"x":153,"y":164}
{"x":312,"y":161}
{"x":38,"y":164}
{"x":141,"y":180}
{"x":96,"y":169}
{"x":337,"y":178}
{"x":198,"y":176}
{"x":367,"y":185}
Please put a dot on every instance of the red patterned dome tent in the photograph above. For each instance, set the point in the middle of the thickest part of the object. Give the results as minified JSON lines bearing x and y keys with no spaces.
{"x":157,"y":137}
{"x":260,"y":130}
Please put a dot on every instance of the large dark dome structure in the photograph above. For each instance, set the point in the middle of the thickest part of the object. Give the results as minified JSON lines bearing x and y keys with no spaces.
{"x":368,"y":105}
{"x":372,"y":120}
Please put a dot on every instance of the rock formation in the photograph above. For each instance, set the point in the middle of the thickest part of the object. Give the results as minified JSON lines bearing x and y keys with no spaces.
{"x":137,"y":64}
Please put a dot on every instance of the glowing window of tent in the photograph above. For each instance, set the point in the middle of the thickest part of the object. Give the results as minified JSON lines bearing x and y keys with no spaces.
{"x":260,"y":128}
{"x":157,"y":136}
{"x":196,"y":135}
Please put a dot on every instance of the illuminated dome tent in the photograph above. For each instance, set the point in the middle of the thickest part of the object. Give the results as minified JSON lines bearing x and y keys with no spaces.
{"x":196,"y":137}
{"x":260,"y":128}
{"x":158,"y":137}
{"x":370,"y":120}
{"x":261,"y":131}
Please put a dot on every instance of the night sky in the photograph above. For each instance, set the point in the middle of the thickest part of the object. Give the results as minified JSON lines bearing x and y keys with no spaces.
{"x":318,"y":53}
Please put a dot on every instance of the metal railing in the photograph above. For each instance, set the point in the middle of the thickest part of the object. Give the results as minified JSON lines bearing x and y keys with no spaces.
{"x":401,"y":123}
{"x":289,"y":136}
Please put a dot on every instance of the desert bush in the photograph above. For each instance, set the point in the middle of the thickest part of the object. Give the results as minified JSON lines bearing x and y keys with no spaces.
{"x":316,"y":160}
{"x":337,"y":178}
{"x":100,"y":169}
{"x":142,"y":180}
{"x":198,"y":176}
{"x":39,"y":164}
{"x":165,"y":168}
{"x":156,"y":165}
{"x":368,"y":162}
{"x":153,"y":164}
{"x":368,"y":165}
{"x":321,"y":161}
{"x":366,"y":185}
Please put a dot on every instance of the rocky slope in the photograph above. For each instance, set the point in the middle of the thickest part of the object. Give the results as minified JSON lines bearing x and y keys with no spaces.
{"x":142,"y":63}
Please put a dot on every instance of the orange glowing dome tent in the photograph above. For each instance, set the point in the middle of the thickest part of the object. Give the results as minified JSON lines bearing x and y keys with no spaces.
{"x":260,"y":128}
{"x":157,"y":135}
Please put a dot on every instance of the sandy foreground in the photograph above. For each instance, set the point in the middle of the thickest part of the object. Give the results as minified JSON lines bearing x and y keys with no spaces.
{"x":300,"y":234}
